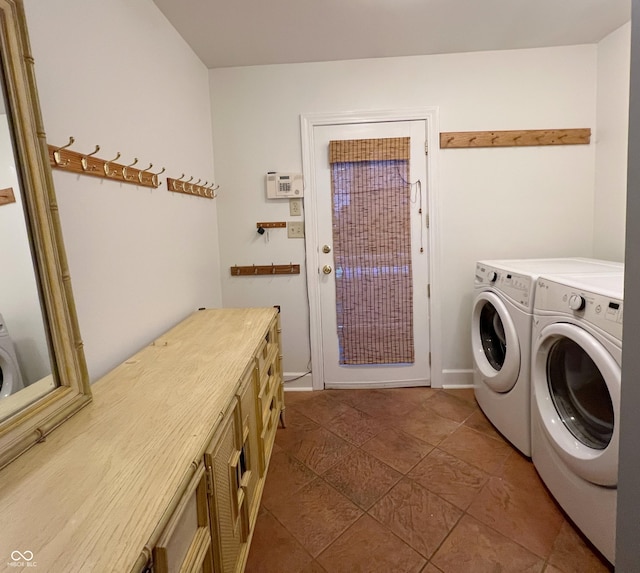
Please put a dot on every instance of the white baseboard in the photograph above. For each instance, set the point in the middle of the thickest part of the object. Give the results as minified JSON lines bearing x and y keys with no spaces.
{"x":374,"y":385}
{"x":457,"y":378}
{"x":303,"y":382}
{"x":450,"y":379}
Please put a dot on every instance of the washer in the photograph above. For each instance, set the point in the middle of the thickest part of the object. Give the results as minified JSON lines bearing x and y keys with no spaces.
{"x":575,"y":407}
{"x":10,"y":376}
{"x":502,"y":316}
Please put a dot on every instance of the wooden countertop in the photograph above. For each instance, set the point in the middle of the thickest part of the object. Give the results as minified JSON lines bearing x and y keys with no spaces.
{"x":91,"y":495}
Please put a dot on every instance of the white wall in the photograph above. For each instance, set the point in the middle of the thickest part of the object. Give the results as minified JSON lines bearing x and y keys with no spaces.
{"x":19,"y":304}
{"x":507,"y":202}
{"x":115,"y":73}
{"x":613,"y":129}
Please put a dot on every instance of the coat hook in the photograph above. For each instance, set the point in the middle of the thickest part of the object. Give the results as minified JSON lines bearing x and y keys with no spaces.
{"x":184,"y":185}
{"x":143,"y":171}
{"x":175,"y":184}
{"x":56,"y":153}
{"x":124,"y":171}
{"x":85,"y":163}
{"x":106,"y":166}
{"x":154,"y":177}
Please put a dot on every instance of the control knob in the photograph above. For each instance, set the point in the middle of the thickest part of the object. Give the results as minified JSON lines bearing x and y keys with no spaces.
{"x":492,"y":276}
{"x":576,"y":302}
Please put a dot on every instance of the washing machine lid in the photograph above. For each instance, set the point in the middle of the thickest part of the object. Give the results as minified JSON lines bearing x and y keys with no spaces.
{"x":536,"y":267}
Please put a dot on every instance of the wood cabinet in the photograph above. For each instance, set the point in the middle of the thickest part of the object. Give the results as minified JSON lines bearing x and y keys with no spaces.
{"x":169,"y":460}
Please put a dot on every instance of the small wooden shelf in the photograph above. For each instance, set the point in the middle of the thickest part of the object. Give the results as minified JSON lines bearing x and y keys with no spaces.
{"x":289,"y":269}
{"x":515,"y":138}
{"x":272,"y":225}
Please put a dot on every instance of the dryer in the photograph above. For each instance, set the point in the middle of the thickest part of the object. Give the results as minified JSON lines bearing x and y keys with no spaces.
{"x":575,"y":407}
{"x":501,"y":337}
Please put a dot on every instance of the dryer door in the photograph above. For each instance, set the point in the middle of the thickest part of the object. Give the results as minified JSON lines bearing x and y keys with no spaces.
{"x":576,"y":387}
{"x":496,"y":351}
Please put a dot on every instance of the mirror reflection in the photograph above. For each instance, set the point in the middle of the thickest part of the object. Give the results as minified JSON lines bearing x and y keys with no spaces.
{"x":25,"y":366}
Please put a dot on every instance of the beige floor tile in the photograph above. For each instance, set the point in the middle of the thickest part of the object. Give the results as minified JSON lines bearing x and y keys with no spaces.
{"x":355,"y":426}
{"x":477,"y":449}
{"x":528,"y":516}
{"x":322,"y":408}
{"x":449,"y":406}
{"x":449,"y":477}
{"x":571,"y":554}
{"x":466,"y":394}
{"x":319,"y":449}
{"x":479,"y":422}
{"x":417,"y":516}
{"x":473,"y":547}
{"x":316,"y":515}
{"x":362,"y":478}
{"x":397,"y":449}
{"x":427,"y":426}
{"x":273,"y":548}
{"x":368,"y":547}
{"x":285,"y":476}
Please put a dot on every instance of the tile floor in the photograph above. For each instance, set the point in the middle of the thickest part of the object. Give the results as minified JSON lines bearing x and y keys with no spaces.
{"x":406,"y":480}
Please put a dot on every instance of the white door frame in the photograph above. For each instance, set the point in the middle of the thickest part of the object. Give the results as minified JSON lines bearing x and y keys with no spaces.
{"x":308,"y":122}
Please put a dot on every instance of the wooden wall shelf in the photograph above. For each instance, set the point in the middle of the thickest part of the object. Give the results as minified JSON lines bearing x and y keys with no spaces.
{"x":289,"y":269}
{"x":514,"y":138}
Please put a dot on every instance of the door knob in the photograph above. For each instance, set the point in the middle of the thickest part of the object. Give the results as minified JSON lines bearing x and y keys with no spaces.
{"x":326,"y":249}
{"x":326,"y":270}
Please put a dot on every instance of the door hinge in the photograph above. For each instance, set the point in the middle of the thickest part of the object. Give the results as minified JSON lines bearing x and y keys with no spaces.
{"x":427,"y":220}
{"x":429,"y":358}
{"x":426,"y":148}
{"x":429,"y":290}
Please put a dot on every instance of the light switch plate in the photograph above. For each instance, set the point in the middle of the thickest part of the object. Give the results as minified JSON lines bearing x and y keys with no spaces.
{"x":295,"y":207}
{"x":295,"y":229}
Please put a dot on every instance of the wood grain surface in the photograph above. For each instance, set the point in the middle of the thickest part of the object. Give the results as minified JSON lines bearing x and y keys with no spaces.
{"x":92,"y":494}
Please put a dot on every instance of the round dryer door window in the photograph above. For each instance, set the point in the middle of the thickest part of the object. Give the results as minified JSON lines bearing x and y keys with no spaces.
{"x":493,"y":337}
{"x":580,"y":394}
{"x":576,"y":395}
{"x":496,"y":351}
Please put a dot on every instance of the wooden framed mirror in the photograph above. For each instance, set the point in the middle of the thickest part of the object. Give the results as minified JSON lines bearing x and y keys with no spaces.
{"x":42,"y":326}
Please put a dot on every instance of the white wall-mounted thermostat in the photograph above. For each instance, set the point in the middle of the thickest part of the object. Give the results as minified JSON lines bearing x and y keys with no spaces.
{"x":284,"y":185}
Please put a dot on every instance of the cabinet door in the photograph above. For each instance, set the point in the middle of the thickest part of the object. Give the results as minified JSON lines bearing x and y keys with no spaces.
{"x":250,"y":459}
{"x":185,"y":544}
{"x":226,"y":465}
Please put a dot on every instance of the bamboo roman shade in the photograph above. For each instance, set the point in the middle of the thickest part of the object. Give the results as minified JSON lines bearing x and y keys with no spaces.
{"x":372,"y":250}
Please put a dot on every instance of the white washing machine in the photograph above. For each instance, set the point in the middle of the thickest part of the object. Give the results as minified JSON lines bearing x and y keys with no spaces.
{"x":501,"y":337}
{"x":575,"y":407}
{"x":10,"y":376}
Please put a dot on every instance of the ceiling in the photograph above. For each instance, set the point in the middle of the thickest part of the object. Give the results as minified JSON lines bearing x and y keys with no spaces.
{"x":227,"y":33}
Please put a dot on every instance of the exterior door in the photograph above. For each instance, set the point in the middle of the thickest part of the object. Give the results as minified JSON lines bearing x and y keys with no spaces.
{"x":337,"y":373}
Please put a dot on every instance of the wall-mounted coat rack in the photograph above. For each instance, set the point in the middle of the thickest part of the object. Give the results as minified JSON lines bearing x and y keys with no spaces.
{"x":206,"y":190}
{"x":90,"y":164}
{"x":7,"y":196}
{"x":272,"y":269}
{"x":515,"y":138}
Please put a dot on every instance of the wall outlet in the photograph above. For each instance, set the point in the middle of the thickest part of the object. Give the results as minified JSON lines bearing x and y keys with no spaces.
{"x":295,"y":230}
{"x":295,"y":207}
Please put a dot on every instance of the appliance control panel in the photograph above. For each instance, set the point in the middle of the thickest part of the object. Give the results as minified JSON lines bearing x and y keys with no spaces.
{"x":516,"y":286}
{"x":601,"y":311}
